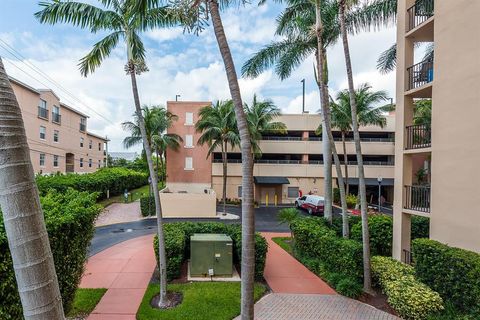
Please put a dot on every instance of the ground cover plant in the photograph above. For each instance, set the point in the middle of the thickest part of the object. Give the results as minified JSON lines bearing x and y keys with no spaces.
{"x":85,"y":301}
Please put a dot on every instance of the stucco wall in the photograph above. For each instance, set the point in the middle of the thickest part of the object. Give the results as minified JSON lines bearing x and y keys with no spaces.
{"x":188,"y":205}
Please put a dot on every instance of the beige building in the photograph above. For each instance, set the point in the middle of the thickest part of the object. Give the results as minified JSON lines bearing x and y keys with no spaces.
{"x":57,"y":133}
{"x":436,"y":170}
{"x":290,"y":163}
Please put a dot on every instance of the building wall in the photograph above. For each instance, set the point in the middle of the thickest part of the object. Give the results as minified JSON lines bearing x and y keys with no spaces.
{"x":68,"y":133}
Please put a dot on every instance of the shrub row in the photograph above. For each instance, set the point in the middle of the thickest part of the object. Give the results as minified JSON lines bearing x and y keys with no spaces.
{"x":114,"y":179}
{"x":177,"y":244}
{"x":409,"y":297}
{"x":69,"y":217}
{"x":452,"y":272}
{"x":147,"y":206}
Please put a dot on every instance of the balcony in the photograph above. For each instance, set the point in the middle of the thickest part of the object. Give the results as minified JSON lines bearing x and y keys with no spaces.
{"x":43,"y":113}
{"x":281,"y":138}
{"x":418,"y":137}
{"x":83,"y":127}
{"x":420,"y":74}
{"x":420,"y":12}
{"x":417,"y":198}
{"x":56,"y":117}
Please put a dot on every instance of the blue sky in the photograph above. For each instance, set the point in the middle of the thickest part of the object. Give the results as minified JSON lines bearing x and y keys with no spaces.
{"x":179,"y":64}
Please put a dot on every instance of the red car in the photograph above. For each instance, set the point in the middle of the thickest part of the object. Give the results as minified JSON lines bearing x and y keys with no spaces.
{"x":312,"y":203}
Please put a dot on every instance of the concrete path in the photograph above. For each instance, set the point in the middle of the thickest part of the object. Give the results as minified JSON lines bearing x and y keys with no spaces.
{"x":284,"y":274}
{"x":118,"y":213}
{"x":125,"y":270}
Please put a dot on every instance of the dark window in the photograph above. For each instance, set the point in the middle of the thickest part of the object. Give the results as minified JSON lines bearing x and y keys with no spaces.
{"x":292,"y":192}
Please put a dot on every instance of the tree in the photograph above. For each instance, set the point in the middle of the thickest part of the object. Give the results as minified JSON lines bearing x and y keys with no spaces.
{"x":367,"y":114}
{"x":22,"y":214}
{"x":157,"y":121}
{"x":122,"y":20}
{"x":218,"y":126}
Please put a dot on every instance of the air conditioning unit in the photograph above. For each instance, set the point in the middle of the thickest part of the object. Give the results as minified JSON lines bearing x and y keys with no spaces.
{"x":211,"y":255}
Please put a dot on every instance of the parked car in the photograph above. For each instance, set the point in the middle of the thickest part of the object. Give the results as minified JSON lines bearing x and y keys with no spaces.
{"x":312,"y":203}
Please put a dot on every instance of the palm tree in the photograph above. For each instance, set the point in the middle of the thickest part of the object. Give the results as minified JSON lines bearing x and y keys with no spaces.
{"x":260,"y":117}
{"x":368,"y":114}
{"x":219,"y":129}
{"x":123,"y":20}
{"x":157,"y":121}
{"x":22,"y":214}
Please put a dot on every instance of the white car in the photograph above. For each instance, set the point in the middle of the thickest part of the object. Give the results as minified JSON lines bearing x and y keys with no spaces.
{"x":312,"y":203}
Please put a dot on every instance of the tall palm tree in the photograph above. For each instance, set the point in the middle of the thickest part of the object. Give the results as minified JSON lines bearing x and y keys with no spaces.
{"x":218,"y":126}
{"x":122,"y":20}
{"x":157,"y":121}
{"x":367,"y":113}
{"x":22,"y":215}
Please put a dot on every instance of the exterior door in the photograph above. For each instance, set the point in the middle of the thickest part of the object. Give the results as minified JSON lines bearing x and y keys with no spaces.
{"x":70,"y":162}
{"x":270,"y":192}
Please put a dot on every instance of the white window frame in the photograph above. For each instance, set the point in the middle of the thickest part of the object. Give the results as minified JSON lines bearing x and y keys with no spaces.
{"x":43,"y":104}
{"x":42,"y":159}
{"x":81,"y":162}
{"x":189,"y":118}
{"x":55,"y":159}
{"x":188,"y":141}
{"x":188,"y":163}
{"x":57,"y":133}
{"x":44,"y":133}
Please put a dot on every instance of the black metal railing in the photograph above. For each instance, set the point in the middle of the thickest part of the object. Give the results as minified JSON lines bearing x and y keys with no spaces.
{"x":260,"y":161}
{"x":419,"y":136}
{"x":43,"y":112}
{"x":372,"y":163}
{"x":56,"y":117}
{"x":417,"y":198}
{"x":83,"y":127}
{"x":280,"y":138}
{"x":420,"y":74}
{"x":420,"y":12}
{"x":407,"y":256}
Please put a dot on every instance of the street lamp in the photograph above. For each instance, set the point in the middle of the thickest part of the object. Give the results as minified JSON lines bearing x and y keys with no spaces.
{"x":379,"y":179}
{"x":177,"y":96}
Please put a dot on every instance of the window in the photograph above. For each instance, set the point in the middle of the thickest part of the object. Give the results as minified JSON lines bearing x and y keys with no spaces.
{"x":43,"y":104}
{"x":239,"y":192}
{"x":56,"y":114}
{"x":189,"y":141}
{"x":99,"y":163}
{"x":189,"y":118}
{"x":42,"y":159}
{"x":43,"y":132}
{"x":99,"y":146}
{"x":81,"y":162}
{"x":292,"y":192}
{"x":55,"y":161}
{"x":81,"y":142}
{"x":89,"y":163}
{"x":83,"y":124}
{"x":55,"y":135}
{"x":42,"y":109}
{"x":188,"y":163}
{"x":90,"y":143}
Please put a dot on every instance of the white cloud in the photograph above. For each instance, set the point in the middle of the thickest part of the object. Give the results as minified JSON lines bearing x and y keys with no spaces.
{"x":165,"y":34}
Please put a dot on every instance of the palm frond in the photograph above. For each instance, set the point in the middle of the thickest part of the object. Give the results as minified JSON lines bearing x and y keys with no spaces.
{"x":387,"y":61}
{"x":100,"y":51}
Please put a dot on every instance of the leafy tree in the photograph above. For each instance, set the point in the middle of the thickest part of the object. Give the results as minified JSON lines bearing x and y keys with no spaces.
{"x":123,"y":21}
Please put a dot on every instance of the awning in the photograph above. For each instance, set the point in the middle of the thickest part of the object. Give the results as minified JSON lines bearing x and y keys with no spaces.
{"x":386,"y":182}
{"x":271,"y":180}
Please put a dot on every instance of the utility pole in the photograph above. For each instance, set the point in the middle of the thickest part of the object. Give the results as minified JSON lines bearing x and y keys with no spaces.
{"x":177,"y":96}
{"x":303,"y":96}
{"x":106,"y":151}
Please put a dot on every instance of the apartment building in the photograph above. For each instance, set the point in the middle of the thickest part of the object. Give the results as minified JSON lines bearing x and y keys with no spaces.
{"x":290,"y":164}
{"x":57,"y":133}
{"x":436,"y":170}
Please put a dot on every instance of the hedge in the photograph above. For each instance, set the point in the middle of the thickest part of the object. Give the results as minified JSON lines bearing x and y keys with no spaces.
{"x":147,"y":206}
{"x":453,"y":272}
{"x":69,"y":218}
{"x":177,"y":244}
{"x":409,"y":297}
{"x":380,"y":228}
{"x":114,"y":179}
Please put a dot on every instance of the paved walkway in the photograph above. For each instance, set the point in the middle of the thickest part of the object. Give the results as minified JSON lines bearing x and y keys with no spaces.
{"x":125,"y":270}
{"x":119,"y":212}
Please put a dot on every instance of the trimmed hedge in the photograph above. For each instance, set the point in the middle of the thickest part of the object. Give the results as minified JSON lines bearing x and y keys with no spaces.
{"x":69,"y":217}
{"x":452,"y":272}
{"x":178,"y":250}
{"x":380,"y":227}
{"x":408,"y":296}
{"x":114,"y":179}
{"x":147,"y":206}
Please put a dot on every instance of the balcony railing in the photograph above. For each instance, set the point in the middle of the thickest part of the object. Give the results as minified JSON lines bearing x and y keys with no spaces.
{"x":83,"y":127}
{"x":43,"y":113}
{"x":363,"y":139}
{"x":260,"y":161}
{"x":420,"y":12}
{"x":315,"y":161}
{"x":420,"y":74}
{"x":372,"y":163}
{"x":419,"y":136}
{"x":417,"y":198}
{"x":280,"y":138}
{"x":56,"y":117}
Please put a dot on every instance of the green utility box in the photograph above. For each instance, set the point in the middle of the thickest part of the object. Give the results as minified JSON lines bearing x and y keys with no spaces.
{"x":210,"y":255}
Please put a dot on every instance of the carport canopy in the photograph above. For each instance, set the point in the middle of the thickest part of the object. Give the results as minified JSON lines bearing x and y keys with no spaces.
{"x":271,"y":180}
{"x":372,"y":182}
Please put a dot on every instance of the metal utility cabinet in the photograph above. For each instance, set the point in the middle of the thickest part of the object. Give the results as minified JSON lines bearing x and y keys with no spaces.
{"x":210,"y":255}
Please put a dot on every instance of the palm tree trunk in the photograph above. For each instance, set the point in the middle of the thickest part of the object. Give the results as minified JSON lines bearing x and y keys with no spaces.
{"x":158,"y":168}
{"x":248,"y":218}
{"x":224,"y":158}
{"x":163,"y":166}
{"x":22,"y":215}
{"x":367,"y":281}
{"x":345,"y":162}
{"x":320,"y":55}
{"x":148,"y":151}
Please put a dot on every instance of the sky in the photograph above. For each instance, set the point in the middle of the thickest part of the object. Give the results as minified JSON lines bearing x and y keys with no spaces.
{"x":179,"y":64}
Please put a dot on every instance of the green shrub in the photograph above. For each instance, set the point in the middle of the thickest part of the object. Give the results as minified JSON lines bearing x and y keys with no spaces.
{"x":337,"y":223}
{"x":178,"y":251}
{"x":336,"y":195}
{"x":69,"y":218}
{"x":454,"y":273}
{"x":380,"y":227}
{"x":349,"y":287}
{"x":114,"y":179}
{"x":420,"y":227}
{"x":352,"y":201}
{"x":147,"y":206}
{"x":408,"y":296}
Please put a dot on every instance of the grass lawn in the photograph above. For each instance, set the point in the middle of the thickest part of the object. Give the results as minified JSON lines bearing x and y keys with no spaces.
{"x":201,"y":301}
{"x":284,"y":243}
{"x":85,"y":301}
{"x":136,"y":194}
